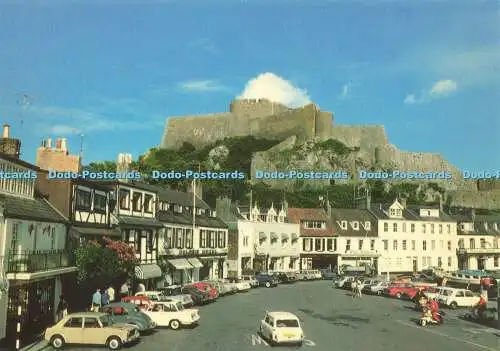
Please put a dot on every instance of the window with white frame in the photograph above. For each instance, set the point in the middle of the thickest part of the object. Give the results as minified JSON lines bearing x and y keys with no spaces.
{"x":343,"y":225}
{"x":368,"y":225}
{"x":314,"y":224}
{"x":307,"y":244}
{"x":355,"y":225}
{"x":245,"y":241}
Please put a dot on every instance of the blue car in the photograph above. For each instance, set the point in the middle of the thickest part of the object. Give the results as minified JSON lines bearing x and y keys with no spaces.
{"x":267,"y":280}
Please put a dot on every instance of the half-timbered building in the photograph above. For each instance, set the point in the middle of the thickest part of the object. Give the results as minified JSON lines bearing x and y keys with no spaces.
{"x":135,"y":214}
{"x":195,"y":243}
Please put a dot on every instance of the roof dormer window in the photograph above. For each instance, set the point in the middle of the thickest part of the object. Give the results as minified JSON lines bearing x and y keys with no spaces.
{"x":343,"y":225}
{"x":485,"y":226}
{"x":355,"y":225}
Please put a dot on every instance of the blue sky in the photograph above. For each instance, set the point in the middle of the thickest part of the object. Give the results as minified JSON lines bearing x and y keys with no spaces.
{"x":428,"y":71}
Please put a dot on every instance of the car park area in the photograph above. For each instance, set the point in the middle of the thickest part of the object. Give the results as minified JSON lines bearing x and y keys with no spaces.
{"x":329,"y":317}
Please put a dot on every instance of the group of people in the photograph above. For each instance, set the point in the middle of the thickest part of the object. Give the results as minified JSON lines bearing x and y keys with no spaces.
{"x":100,"y":299}
{"x":356,"y":287}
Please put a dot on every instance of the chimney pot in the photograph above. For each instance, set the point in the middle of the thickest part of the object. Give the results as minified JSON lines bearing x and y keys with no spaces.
{"x":64,"y":144}
{"x":6,"y":130}
{"x":49,"y":143}
{"x":58,"y":143}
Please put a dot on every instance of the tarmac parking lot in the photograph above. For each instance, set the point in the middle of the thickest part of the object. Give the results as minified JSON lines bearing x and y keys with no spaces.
{"x":331,"y":319}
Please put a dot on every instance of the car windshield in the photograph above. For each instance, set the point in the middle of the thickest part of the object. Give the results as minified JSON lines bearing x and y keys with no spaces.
{"x":107,"y":321}
{"x":287,"y":323}
{"x":179,"y":306}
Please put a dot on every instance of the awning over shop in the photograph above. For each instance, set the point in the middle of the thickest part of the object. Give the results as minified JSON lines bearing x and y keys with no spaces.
{"x":87,"y":231}
{"x":274,"y":236}
{"x":284,"y":236}
{"x":295,"y":237}
{"x":129,"y":221}
{"x":147,"y":271}
{"x":180,"y":263}
{"x":262,"y":236}
{"x":195,"y":262}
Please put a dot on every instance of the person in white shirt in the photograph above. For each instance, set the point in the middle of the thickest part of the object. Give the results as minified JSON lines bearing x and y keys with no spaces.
{"x":141,"y":287}
{"x":124,"y":290}
{"x":111,"y":293}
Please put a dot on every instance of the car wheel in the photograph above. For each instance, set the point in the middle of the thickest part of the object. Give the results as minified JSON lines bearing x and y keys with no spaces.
{"x":268,"y":284}
{"x":453,"y":305}
{"x":174,"y":324}
{"x":57,"y":341}
{"x":114,"y":343}
{"x":398,"y":295}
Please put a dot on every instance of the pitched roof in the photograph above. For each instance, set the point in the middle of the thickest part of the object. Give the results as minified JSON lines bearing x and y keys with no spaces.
{"x":187,"y":219}
{"x":354,"y":215}
{"x":180,"y":198}
{"x":410,"y":213}
{"x":30,"y":209}
{"x":299,"y":215}
{"x":483,"y":224}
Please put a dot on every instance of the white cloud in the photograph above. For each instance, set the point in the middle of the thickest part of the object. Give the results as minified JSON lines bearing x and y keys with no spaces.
{"x":443,"y":87}
{"x":346,"y":91}
{"x":201,"y":86}
{"x":274,"y":88}
{"x":439,"y":89}
{"x":71,"y":121}
{"x":410,"y":99}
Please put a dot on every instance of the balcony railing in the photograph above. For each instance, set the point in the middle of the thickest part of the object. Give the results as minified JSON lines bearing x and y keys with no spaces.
{"x":39,"y":261}
{"x":481,"y":250}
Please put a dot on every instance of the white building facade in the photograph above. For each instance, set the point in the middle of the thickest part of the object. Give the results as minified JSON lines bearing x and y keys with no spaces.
{"x":478,"y":244}
{"x":414,"y":238}
{"x":35,"y":258}
{"x":191,"y":252}
{"x":268,"y":242}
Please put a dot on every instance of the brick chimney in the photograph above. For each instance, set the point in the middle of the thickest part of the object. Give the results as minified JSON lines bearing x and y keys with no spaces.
{"x":58,"y":143}
{"x":6,"y":130}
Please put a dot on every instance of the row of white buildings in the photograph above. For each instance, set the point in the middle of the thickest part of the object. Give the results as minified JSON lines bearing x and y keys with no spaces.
{"x":388,"y":238}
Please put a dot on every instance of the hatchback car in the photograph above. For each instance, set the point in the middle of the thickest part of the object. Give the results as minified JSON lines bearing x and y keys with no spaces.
{"x":281,"y":328}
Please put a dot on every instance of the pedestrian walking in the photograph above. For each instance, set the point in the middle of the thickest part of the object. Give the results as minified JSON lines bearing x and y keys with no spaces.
{"x":354,"y":288}
{"x":104,"y":298}
{"x":62,"y":308}
{"x":124,"y":290}
{"x":358,"y":288}
{"x":96,"y":300}
{"x":111,"y":294}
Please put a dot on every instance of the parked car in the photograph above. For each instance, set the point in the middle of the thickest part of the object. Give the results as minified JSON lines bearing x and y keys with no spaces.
{"x":328,"y":274}
{"x":175,"y":291}
{"x":435,"y":293}
{"x":367,"y":282}
{"x":378,"y":288}
{"x":207,"y":287}
{"x":280,"y":328}
{"x":198,"y":297}
{"x":301,"y":275}
{"x":342,"y":281}
{"x":142,"y":302}
{"x":254,"y":283}
{"x":221,"y":287}
{"x":90,"y":328}
{"x":122,"y":312}
{"x":401,"y":291}
{"x":266,"y":280}
{"x":285,"y":278}
{"x":454,"y":298}
{"x":173,"y":315}
{"x":241,"y":285}
{"x":158,"y":296}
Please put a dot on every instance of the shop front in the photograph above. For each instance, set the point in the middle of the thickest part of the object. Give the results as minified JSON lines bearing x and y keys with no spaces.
{"x":182,"y":270}
{"x":318,"y":261}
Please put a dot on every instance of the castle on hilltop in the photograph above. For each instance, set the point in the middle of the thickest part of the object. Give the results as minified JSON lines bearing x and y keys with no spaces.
{"x":294,"y":127}
{"x":260,"y":118}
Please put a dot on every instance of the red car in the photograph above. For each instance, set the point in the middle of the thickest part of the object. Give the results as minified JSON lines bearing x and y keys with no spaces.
{"x":401,"y":290}
{"x":206,"y":287}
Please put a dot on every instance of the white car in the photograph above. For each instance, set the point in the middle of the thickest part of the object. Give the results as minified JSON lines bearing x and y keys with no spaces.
{"x":454,"y":298}
{"x":254,"y":283}
{"x":172,"y":314}
{"x":280,"y":328}
{"x":340,"y":282}
{"x":435,"y":293}
{"x":175,"y":292}
{"x":158,"y":296}
{"x":378,"y":288}
{"x":241,"y":284}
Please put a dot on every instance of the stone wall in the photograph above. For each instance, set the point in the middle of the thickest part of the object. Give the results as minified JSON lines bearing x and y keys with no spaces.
{"x":475,"y":199}
{"x":258,"y":118}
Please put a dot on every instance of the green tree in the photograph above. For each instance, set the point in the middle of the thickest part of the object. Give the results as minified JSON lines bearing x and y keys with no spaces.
{"x":97,"y":265}
{"x":101,"y":166}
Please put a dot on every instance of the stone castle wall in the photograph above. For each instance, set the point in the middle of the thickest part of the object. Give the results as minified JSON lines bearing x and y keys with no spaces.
{"x":258,"y":118}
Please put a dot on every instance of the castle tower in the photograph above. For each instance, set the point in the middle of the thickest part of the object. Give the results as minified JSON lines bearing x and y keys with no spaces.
{"x":123,"y":162}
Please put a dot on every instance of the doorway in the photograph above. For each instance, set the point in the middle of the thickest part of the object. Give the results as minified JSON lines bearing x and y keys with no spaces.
{"x":481,"y":263}
{"x":415,"y":265}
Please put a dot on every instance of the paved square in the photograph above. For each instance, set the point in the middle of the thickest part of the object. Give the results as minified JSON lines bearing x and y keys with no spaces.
{"x":332,"y":320}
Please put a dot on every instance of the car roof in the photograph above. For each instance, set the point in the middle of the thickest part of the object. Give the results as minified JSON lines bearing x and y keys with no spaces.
{"x":121,"y":304}
{"x":87,"y":314}
{"x":282,"y":314}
